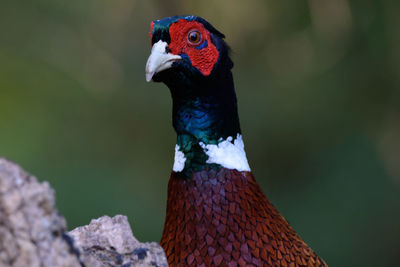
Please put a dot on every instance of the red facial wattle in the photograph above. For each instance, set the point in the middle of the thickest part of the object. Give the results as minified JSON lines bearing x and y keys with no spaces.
{"x":151,"y":31}
{"x":203,"y":54}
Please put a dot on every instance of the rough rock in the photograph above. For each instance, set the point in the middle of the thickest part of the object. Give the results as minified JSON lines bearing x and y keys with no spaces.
{"x":31,"y":230}
{"x":109,"y":242}
{"x":33,"y":233}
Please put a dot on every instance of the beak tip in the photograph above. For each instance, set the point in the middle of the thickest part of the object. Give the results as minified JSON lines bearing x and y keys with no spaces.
{"x":149,"y":76}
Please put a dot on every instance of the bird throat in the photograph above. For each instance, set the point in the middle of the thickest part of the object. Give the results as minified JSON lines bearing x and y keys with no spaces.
{"x":208,"y":131}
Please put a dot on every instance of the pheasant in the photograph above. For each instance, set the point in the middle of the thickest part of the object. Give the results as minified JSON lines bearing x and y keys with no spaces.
{"x":217,"y":214}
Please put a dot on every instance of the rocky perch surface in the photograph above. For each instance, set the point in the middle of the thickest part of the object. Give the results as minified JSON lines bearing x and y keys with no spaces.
{"x":33,"y":233}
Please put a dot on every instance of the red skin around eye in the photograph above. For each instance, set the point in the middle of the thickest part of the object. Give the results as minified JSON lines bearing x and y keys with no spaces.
{"x":203,"y":59}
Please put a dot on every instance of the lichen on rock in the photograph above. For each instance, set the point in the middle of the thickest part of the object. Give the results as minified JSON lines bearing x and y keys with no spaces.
{"x":118,"y":245}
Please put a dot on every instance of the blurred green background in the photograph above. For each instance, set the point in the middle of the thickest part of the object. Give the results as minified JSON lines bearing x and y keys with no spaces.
{"x":318,"y":89}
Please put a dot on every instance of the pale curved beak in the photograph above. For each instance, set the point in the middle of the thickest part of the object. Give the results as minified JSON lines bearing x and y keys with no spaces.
{"x":159,"y":59}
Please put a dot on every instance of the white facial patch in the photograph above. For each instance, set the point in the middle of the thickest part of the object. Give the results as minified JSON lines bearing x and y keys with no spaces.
{"x":179,"y":161}
{"x":227,"y":154}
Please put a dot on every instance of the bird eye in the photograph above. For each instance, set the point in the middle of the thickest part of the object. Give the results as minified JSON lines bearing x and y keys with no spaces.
{"x":194,"y":37}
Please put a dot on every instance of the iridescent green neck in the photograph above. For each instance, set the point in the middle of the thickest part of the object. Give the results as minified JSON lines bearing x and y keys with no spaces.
{"x":204,"y":110}
{"x":203,"y":120}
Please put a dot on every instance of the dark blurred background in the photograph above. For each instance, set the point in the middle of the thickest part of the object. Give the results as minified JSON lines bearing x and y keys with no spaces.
{"x":318,"y":89}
